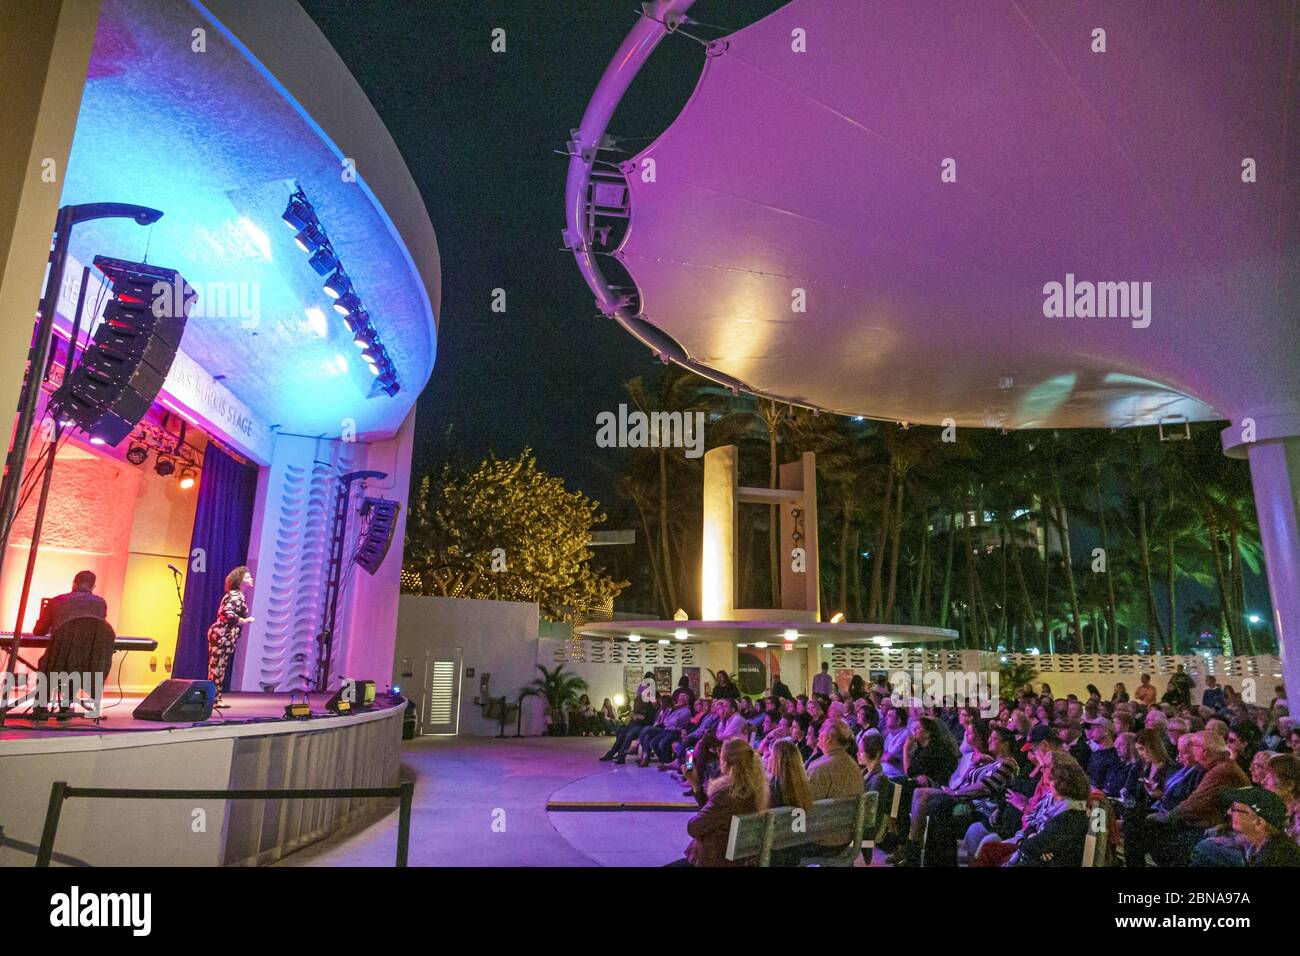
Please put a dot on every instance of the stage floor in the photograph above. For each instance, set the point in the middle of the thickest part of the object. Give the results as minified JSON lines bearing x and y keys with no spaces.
{"x":244,"y":708}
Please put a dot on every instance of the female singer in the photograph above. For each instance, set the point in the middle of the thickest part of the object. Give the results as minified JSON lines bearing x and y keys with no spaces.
{"x":224,"y":632}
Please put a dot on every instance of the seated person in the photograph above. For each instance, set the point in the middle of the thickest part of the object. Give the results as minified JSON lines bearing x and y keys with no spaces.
{"x":1260,"y":817}
{"x":739,"y":789}
{"x":81,"y":601}
{"x":1177,"y":831}
{"x":1061,"y":838}
{"x":992,"y":767}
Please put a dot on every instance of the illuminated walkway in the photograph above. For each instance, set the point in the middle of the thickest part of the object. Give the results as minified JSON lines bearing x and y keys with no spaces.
{"x":465,"y":785}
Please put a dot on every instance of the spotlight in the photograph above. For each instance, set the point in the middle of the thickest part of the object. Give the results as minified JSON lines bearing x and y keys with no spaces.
{"x":187,"y":478}
{"x":323,"y":260}
{"x":311,"y":239}
{"x":298,"y":214}
{"x":347,"y":303}
{"x":355,"y":321}
{"x":337,"y":284}
{"x":164,"y":466}
{"x":364,"y":338}
{"x":137,"y":454}
{"x":371,"y":355}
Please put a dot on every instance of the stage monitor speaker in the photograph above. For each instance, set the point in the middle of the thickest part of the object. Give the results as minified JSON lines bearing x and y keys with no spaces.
{"x":122,"y":371}
{"x":178,"y":700}
{"x":377,"y":537}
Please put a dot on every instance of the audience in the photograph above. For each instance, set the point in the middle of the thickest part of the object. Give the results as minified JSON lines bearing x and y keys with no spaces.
{"x":1169,"y":783}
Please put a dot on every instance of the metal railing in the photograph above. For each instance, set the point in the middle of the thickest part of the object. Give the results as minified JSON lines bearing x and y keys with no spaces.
{"x":61,"y":792}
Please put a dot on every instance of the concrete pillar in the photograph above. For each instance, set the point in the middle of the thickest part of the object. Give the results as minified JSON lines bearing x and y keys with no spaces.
{"x":718,"y":552}
{"x":44,"y":51}
{"x":1271,"y":443}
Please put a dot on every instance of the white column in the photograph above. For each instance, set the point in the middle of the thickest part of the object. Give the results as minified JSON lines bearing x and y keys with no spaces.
{"x":1275,"y":475}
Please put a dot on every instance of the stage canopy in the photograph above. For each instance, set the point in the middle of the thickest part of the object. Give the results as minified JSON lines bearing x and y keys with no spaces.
{"x":214,"y":114}
{"x":796,"y":232}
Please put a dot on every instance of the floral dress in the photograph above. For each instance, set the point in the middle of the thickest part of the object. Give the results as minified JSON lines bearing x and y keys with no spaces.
{"x":223,"y":634}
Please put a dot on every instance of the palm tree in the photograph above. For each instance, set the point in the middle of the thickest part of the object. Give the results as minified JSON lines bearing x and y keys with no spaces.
{"x":560,"y":690}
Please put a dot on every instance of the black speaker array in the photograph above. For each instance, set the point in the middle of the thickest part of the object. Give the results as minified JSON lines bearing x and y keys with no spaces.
{"x":122,"y":371}
{"x":378,"y":534}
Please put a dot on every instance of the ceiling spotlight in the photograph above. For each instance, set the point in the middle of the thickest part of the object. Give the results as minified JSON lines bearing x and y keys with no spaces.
{"x":364,"y":338}
{"x":137,"y":454}
{"x":634,"y":638}
{"x":337,"y":284}
{"x":164,"y":466}
{"x":323,"y":260}
{"x":680,"y":634}
{"x":187,"y":478}
{"x":371,"y":355}
{"x":310,"y":239}
{"x":298,"y":214}
{"x":347,"y":303}
{"x":791,"y":635}
{"x":356,"y":321}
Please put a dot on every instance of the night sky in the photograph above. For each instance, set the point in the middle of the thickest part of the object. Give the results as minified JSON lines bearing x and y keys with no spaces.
{"x":479,"y":131}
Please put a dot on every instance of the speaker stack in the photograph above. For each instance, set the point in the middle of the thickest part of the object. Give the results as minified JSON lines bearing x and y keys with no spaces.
{"x":378,"y":534}
{"x":122,"y":371}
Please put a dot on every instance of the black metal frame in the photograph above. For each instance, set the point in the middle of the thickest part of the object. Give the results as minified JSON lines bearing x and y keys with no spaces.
{"x":60,"y":792}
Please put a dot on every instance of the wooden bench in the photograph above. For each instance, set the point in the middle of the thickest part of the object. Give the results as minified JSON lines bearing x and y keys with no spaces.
{"x":756,"y":835}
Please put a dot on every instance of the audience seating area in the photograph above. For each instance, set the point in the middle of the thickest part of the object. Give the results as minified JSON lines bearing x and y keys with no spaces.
{"x":861,"y":775}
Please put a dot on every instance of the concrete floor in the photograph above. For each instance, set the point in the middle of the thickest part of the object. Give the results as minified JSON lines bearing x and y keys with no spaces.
{"x":482,"y":802}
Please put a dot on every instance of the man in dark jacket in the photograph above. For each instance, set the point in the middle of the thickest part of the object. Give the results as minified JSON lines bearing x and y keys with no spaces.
{"x":1104,"y":758}
{"x":1259,"y":815}
{"x":81,"y":601}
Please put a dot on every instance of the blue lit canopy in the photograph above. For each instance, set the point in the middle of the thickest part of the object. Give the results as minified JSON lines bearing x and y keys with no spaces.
{"x":218,"y":144}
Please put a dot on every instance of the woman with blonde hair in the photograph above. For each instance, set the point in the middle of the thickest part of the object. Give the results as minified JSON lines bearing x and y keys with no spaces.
{"x":740,"y":788}
{"x":788,"y":780}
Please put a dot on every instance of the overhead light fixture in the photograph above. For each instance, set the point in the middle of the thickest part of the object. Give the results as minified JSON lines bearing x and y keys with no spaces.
{"x":137,"y":454}
{"x":187,"y":479}
{"x":791,"y":634}
{"x":681,"y":634}
{"x":760,"y":644}
{"x":371,"y":355}
{"x":664,"y":640}
{"x":164,"y":466}
{"x":356,"y":320}
{"x":337,"y":284}
{"x":838,"y":618}
{"x":310,"y":240}
{"x":323,"y":260}
{"x":828,"y":646}
{"x":298,"y":214}
{"x":347,"y":303}
{"x":634,"y":638}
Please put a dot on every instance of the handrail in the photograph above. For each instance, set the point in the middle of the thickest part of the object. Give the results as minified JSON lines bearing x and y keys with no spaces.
{"x":60,"y":791}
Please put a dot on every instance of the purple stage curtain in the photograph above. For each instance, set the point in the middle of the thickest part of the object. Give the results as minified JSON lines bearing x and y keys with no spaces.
{"x":222,"y":523}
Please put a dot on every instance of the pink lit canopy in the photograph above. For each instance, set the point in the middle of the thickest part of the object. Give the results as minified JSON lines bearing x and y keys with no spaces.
{"x":796,"y":231}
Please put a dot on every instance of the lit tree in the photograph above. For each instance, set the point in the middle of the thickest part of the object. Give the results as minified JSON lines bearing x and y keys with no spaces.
{"x":507,"y":531}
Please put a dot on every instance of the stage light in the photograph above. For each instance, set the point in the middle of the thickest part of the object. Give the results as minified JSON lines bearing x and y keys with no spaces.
{"x":347,"y":303}
{"x":371,"y":355}
{"x":356,"y":321}
{"x":164,"y":466}
{"x":298,"y":214}
{"x":323,"y":260}
{"x":310,"y":240}
{"x":364,"y":338}
{"x":137,"y":454}
{"x":97,"y":441}
{"x":680,"y":634}
{"x":188,"y":478}
{"x":337,"y":284}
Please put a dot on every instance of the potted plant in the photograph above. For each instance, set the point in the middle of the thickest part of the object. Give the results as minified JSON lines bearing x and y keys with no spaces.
{"x":560,"y":690}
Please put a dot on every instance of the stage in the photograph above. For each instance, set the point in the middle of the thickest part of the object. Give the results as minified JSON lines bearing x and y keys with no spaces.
{"x":247,"y":746}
